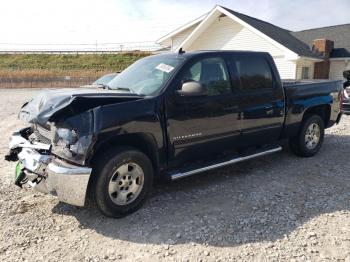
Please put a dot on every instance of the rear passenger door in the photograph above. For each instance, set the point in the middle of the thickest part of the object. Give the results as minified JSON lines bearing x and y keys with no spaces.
{"x":261,"y":102}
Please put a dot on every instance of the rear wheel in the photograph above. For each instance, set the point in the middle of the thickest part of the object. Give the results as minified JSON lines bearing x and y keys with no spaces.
{"x":122,"y":180}
{"x":310,"y":137}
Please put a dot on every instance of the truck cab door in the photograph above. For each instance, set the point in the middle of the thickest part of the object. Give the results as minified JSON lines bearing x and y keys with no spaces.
{"x":261,"y":102}
{"x":204,"y":126}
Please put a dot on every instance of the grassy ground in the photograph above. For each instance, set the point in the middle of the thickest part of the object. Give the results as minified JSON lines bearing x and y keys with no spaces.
{"x":12,"y":65}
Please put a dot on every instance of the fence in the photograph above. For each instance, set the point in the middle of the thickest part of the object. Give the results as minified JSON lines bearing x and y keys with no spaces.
{"x":82,"y":48}
{"x":45,"y":82}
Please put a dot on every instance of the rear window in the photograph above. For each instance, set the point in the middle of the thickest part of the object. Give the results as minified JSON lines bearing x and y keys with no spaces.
{"x":254,"y":72}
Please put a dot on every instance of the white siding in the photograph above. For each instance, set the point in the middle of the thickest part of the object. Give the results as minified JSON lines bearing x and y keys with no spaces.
{"x":337,"y":69}
{"x":179,"y":38}
{"x":287,"y":69}
{"x":226,"y":34}
{"x":305,"y":63}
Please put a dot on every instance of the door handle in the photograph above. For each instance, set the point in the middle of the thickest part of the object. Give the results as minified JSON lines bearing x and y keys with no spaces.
{"x":269,"y":112}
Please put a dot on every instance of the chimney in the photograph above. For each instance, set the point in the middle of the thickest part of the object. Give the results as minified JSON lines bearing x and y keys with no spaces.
{"x":323,"y":46}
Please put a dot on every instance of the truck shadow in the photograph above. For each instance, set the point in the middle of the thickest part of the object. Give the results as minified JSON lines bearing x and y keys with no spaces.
{"x":260,"y":200}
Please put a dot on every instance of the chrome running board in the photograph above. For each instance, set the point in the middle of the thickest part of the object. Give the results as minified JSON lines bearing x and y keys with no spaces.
{"x":179,"y":175}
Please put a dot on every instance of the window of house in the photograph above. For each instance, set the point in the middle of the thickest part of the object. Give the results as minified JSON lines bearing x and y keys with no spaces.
{"x":305,"y":72}
{"x":254,"y":72}
{"x":212,"y":73}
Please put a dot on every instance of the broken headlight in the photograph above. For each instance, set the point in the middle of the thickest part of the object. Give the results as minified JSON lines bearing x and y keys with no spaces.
{"x":73,"y":138}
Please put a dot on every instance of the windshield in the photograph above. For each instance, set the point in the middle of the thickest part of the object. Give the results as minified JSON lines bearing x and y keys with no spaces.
{"x":104,"y":79}
{"x":146,"y":76}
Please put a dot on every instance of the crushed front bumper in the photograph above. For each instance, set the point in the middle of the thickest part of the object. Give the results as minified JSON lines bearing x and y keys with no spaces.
{"x":48,"y":174}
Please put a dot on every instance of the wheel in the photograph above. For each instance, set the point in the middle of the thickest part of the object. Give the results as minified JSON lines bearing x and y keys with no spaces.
{"x":122,"y":180}
{"x":310,"y":137}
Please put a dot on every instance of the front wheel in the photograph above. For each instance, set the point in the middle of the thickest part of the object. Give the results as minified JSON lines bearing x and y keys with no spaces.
{"x":310,"y":137}
{"x":123,"y":179}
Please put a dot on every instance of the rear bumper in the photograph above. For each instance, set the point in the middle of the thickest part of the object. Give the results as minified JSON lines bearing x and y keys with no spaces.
{"x":48,"y":174}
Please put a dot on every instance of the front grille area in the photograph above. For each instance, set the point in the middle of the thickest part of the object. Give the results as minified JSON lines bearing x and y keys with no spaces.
{"x":40,"y":138}
{"x":42,"y":134}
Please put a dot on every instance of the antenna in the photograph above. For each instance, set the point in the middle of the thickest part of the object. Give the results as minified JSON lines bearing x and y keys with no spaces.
{"x":181,"y":51}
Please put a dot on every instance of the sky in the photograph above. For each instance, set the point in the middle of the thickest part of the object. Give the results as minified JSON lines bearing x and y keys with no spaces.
{"x":52,"y":24}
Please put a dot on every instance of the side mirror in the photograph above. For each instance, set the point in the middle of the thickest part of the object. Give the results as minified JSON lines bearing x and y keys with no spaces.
{"x":192,"y":88}
{"x":346,"y":74}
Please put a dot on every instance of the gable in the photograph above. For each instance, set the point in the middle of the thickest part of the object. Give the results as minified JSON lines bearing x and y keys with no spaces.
{"x":179,"y":38}
{"x":183,"y":30}
{"x":226,"y":34}
{"x":279,"y":37}
{"x":278,"y":34}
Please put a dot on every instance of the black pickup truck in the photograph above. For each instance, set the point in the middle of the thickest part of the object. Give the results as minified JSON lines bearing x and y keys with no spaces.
{"x":166,"y":116}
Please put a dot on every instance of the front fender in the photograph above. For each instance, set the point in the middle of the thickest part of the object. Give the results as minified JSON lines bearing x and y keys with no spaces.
{"x":135,"y":124}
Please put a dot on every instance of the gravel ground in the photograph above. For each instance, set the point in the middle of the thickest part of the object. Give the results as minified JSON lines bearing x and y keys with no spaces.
{"x":278,"y":207}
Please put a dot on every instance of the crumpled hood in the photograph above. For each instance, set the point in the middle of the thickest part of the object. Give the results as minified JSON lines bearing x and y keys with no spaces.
{"x":49,"y":102}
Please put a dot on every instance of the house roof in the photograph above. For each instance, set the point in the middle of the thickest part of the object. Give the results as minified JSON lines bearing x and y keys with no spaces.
{"x":298,"y":42}
{"x":282,"y":36}
{"x":340,"y":34}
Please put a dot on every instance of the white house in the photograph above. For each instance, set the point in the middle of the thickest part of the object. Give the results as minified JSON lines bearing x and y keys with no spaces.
{"x":295,"y":56}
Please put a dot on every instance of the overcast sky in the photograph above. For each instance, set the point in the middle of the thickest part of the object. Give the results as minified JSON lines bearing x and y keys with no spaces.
{"x":114,"y":21}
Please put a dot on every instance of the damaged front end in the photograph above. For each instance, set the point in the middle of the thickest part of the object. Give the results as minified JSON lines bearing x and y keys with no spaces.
{"x":44,"y":171}
{"x":51,"y":157}
{"x":53,"y":152}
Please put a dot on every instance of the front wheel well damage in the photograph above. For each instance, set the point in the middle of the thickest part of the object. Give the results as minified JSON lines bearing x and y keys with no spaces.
{"x":139,"y":141}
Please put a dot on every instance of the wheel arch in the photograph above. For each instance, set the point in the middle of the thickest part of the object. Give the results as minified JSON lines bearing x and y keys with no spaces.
{"x":323,"y":111}
{"x":143,"y":142}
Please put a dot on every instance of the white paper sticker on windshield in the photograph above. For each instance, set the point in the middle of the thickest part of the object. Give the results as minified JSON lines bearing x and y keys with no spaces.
{"x":165,"y":68}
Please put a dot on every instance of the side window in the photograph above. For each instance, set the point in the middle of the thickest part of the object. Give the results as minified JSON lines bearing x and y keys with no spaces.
{"x":254,"y":72}
{"x":212,"y":73}
{"x":195,"y":71}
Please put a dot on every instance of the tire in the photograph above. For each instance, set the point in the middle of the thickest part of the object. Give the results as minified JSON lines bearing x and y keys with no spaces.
{"x":310,"y":137}
{"x":122,"y":180}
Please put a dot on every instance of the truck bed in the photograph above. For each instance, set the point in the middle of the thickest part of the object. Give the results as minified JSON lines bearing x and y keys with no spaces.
{"x":310,"y":93}
{"x":321,"y":82}
{"x":311,"y":88}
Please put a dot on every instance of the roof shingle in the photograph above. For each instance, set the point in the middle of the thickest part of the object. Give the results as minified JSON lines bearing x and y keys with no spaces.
{"x":340,"y":34}
{"x":301,"y":42}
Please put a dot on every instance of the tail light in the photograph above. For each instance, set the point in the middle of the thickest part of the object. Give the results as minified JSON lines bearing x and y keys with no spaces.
{"x":345,"y":94}
{"x":341,"y":97}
